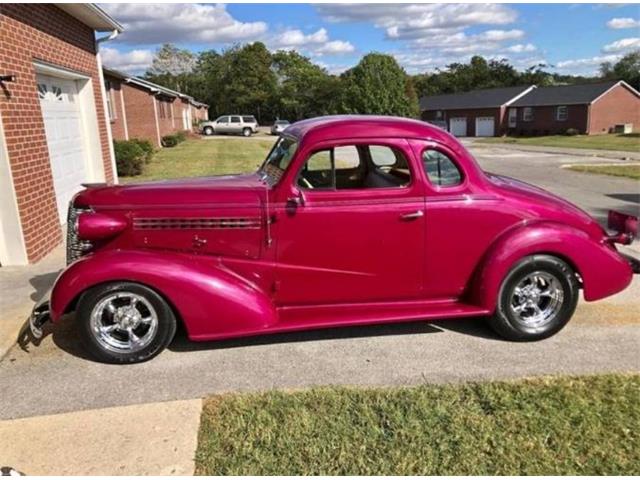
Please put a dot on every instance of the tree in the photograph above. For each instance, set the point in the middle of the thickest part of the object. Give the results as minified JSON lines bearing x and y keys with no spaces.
{"x":627,"y":69}
{"x":171,"y":66}
{"x":303,"y":88}
{"x":377,"y":85}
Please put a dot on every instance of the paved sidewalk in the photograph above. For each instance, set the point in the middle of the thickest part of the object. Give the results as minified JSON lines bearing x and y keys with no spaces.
{"x":578,"y":152}
{"x":147,"y":439}
{"x":20,"y":289}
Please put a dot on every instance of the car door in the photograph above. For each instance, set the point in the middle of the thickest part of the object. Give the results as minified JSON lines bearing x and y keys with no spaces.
{"x":235,"y":125}
{"x":222,"y":125}
{"x":352,"y":230}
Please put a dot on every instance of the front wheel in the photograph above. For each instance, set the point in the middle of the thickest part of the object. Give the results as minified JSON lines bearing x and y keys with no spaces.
{"x":208,"y":131}
{"x":536,"y":300}
{"x":124,"y":322}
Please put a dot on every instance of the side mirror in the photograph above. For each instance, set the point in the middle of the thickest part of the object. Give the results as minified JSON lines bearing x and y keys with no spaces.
{"x":295,"y":201}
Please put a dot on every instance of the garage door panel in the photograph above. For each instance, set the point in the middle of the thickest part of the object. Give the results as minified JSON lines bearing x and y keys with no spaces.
{"x":64,"y":133}
{"x":485,"y":126}
{"x":458,"y":126}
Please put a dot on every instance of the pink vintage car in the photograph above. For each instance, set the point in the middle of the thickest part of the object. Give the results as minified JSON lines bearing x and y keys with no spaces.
{"x":349,"y":221}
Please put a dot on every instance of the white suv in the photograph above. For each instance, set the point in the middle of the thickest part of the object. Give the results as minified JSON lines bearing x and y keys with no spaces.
{"x":242,"y":124}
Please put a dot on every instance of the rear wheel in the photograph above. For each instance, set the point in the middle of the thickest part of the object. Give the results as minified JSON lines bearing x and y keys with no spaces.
{"x":536,"y":299}
{"x":246,"y":132}
{"x":124,"y":322}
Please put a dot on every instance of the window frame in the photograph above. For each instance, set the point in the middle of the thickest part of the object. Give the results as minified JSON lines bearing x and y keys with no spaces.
{"x":566,"y":113}
{"x":111,"y":110}
{"x":464,"y":179}
{"x":357,"y":192}
{"x":526,"y":110}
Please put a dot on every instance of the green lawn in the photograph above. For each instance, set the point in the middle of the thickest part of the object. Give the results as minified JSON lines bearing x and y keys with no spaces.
{"x":627,"y":143}
{"x":548,"y":426}
{"x":198,"y":157}
{"x":629,"y":171}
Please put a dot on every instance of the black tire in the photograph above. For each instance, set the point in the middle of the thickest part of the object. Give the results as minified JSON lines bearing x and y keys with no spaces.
{"x":505,"y":321}
{"x":247,"y":132}
{"x":164,"y":331}
{"x":208,"y":131}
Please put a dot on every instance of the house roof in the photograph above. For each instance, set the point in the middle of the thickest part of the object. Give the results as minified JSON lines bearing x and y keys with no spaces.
{"x":152,"y":87}
{"x":92,"y":16}
{"x":564,"y":94}
{"x":485,"y":98}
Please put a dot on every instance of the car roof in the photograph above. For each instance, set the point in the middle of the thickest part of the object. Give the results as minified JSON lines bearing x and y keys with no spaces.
{"x":365,"y":126}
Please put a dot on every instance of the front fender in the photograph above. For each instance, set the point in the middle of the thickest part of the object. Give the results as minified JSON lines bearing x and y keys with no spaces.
{"x":210,"y":299}
{"x":603,"y":271}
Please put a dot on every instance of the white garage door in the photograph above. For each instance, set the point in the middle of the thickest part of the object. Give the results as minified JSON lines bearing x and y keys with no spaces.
{"x":458,"y":126}
{"x":65,"y":137}
{"x":485,"y":127}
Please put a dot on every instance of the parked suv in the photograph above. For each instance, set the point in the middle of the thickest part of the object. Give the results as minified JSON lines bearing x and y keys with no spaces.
{"x":246,"y":125}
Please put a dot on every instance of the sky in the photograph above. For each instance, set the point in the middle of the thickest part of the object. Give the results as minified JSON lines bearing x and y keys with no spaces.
{"x":570,"y":38}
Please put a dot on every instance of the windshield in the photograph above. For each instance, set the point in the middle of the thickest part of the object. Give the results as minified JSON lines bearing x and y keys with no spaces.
{"x":278,"y":160}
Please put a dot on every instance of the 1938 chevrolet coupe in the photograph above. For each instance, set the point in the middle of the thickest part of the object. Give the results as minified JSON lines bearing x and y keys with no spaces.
{"x":350,"y":220}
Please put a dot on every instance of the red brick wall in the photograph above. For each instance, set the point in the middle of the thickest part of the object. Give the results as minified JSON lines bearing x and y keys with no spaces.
{"x":40,"y":32}
{"x":471,"y":115}
{"x":620,"y":105}
{"x":164,"y":120}
{"x":117,"y":125}
{"x":141,"y":120}
{"x":544,"y":121}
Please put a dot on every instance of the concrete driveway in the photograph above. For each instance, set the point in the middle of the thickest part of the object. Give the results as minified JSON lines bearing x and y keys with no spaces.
{"x":604,"y":336}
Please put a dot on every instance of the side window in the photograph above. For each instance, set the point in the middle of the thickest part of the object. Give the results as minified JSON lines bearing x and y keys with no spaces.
{"x":223,"y":120}
{"x":353,"y":167}
{"x":440,"y":169}
{"x":235,"y":119}
{"x":249,"y":119}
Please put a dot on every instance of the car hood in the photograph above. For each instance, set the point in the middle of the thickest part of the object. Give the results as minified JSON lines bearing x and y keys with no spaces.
{"x":228,"y":190}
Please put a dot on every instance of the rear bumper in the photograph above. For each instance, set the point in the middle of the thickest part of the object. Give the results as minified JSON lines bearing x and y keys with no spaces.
{"x":625,"y":227}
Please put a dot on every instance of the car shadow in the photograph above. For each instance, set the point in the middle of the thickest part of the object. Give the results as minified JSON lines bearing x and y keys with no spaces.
{"x":42,"y":284}
{"x":626,"y":197}
{"x":65,"y":336}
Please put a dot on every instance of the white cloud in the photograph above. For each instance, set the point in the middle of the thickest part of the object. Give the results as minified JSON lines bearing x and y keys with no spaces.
{"x":316,"y":43}
{"x":585,"y":66}
{"x":622,"y":45}
{"x":521,"y":48}
{"x":135,"y":61}
{"x":179,"y":23}
{"x":619,"y":23}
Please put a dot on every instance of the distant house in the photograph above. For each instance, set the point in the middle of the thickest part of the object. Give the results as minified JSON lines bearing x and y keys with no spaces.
{"x":590,"y":109}
{"x":529,"y":110}
{"x":478,"y":113}
{"x":141,"y":109}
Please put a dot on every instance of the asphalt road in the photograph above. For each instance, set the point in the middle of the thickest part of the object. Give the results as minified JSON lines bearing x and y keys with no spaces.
{"x":603,"y":336}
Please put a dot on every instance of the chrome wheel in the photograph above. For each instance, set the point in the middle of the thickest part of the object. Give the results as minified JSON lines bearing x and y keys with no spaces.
{"x":124,"y":322}
{"x":537,"y":299}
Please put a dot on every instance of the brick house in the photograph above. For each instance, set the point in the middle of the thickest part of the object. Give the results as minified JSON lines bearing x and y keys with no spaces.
{"x":54,"y":134}
{"x":478,"y":113}
{"x":589,"y":109}
{"x":141,"y":109}
{"x":529,"y":110}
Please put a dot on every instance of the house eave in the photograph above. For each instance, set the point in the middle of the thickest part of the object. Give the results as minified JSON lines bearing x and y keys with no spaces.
{"x":92,"y":16}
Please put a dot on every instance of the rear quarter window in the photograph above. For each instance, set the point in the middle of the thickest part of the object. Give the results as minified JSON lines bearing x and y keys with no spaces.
{"x":441,"y":170}
{"x":249,"y":119}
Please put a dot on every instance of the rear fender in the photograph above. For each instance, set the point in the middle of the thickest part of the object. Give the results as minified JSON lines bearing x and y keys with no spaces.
{"x":209,"y":298}
{"x":603,"y":271}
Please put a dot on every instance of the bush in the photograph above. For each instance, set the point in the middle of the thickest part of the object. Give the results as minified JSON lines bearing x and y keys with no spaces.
{"x":147,"y":148}
{"x":170,"y":141}
{"x":181,"y":136}
{"x":130,"y":158}
{"x":571,"y":132}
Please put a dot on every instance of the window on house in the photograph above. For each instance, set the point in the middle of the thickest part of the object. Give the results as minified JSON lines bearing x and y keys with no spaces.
{"x":527,"y":114}
{"x":439,"y":114}
{"x":355,"y":167}
{"x":562,"y":113}
{"x":109,"y":98}
{"x":440,"y":169}
{"x":513,"y":117}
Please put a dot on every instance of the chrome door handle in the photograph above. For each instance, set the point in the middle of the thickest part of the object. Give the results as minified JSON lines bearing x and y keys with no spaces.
{"x":412,"y":215}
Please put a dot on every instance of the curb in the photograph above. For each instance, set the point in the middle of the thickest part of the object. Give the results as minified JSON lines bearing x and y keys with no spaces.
{"x":145,"y":439}
{"x":626,"y":156}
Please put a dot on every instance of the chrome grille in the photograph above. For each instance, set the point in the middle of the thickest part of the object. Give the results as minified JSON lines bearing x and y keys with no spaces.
{"x":195,"y":223}
{"x":76,"y":248}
